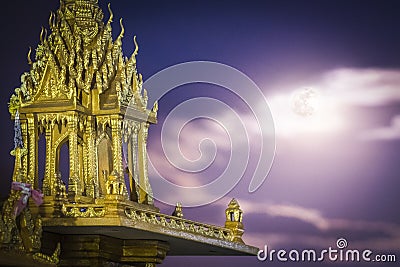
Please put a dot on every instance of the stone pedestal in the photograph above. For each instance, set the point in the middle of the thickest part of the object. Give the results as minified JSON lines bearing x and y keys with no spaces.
{"x":100,"y":250}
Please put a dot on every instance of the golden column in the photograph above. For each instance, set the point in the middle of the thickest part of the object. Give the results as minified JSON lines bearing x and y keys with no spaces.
{"x":32,"y":151}
{"x":116,"y":136}
{"x":92,"y":181}
{"x":50,"y":157}
{"x":145,"y":195}
{"x":73,"y":145}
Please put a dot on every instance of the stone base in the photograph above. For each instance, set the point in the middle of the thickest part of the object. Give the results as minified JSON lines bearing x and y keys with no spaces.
{"x":100,"y":250}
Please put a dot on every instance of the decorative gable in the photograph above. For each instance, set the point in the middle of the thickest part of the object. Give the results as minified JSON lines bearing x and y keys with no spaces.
{"x":78,"y":65}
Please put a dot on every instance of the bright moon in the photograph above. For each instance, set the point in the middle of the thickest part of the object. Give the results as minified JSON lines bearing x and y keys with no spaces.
{"x":304,"y":102}
{"x":307,"y":111}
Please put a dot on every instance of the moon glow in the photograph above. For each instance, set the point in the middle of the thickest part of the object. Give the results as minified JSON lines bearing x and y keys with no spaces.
{"x":304,"y":102}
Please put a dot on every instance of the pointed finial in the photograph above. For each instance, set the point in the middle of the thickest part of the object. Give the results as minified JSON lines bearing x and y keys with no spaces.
{"x":41,"y":35}
{"x":155,"y":107}
{"x":136,"y":46}
{"x":51,"y":19}
{"x":29,"y":56}
{"x":122,"y":29}
{"x":110,"y":19}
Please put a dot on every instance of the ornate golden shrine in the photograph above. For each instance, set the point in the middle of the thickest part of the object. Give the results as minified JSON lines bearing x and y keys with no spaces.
{"x":77,"y":93}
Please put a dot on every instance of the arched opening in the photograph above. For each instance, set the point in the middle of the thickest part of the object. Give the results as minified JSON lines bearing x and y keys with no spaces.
{"x":126,"y":170}
{"x":62,"y":162}
{"x":41,"y":159}
{"x":129,"y":158}
{"x":232,"y":216}
{"x":104,"y":162}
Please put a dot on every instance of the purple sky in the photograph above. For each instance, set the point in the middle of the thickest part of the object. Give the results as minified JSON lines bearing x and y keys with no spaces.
{"x":335,"y":173}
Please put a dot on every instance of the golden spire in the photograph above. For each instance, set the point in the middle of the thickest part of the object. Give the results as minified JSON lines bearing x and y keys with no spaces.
{"x":234,"y":218}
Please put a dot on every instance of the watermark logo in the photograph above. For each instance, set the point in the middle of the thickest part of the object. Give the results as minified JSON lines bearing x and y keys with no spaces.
{"x":341,"y":243}
{"x":340,"y":253}
{"x":234,"y":124}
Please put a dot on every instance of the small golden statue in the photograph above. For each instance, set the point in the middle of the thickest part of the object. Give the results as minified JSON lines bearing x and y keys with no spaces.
{"x":178,"y":210}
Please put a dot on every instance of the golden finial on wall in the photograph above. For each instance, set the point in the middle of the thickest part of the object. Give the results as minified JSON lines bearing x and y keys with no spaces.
{"x":234,"y":220}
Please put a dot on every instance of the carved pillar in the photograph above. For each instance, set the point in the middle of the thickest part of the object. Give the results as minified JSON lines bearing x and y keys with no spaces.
{"x":32,"y":146}
{"x":49,"y":172}
{"x":145,"y":189}
{"x":91,"y":170}
{"x":116,"y":135}
{"x":73,"y":148}
{"x":84,"y":159}
{"x":132,"y":163}
{"x":24,"y":158}
{"x":84,"y":166}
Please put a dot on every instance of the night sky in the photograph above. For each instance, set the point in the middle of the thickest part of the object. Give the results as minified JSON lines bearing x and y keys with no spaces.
{"x":335,"y":173}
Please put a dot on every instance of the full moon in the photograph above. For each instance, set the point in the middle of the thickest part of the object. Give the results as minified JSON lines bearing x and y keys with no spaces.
{"x":304,"y":102}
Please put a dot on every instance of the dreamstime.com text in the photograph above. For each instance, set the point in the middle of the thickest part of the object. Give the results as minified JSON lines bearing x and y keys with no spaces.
{"x":338,"y":254}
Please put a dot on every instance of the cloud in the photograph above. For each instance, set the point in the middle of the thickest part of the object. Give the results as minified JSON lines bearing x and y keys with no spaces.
{"x":198,"y":151}
{"x":292,"y":211}
{"x":367,"y":88}
{"x":327,"y":119}
{"x":338,"y":91}
{"x":363,"y":87}
{"x":390,"y":132}
{"x":311,"y":216}
{"x":193,"y":152}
